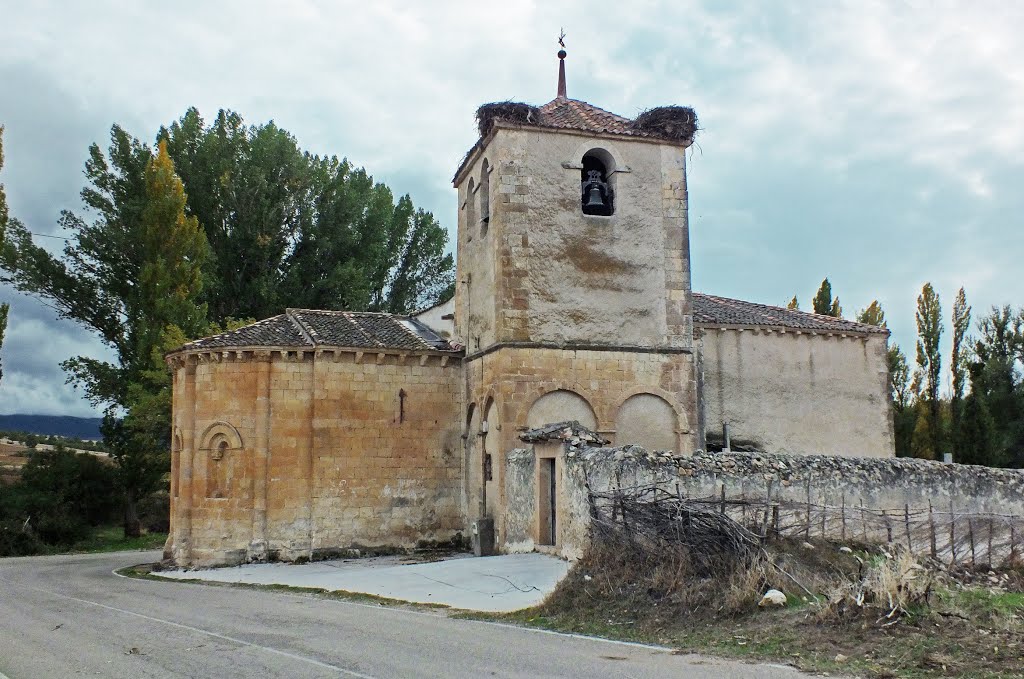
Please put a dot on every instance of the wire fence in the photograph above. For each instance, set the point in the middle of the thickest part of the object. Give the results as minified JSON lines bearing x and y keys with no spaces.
{"x":945,"y":533}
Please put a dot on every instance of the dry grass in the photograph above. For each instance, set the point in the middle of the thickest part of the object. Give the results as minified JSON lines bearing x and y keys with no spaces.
{"x":913,"y":619}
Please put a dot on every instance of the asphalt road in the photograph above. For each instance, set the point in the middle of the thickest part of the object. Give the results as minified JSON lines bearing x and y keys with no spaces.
{"x":69,"y":616}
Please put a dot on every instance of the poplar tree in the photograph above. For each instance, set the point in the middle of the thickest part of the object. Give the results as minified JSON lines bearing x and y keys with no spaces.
{"x":872,"y":315}
{"x":929,"y":369}
{"x":131,"y":275}
{"x":793,"y":305}
{"x":961,"y":323}
{"x":824,"y":304}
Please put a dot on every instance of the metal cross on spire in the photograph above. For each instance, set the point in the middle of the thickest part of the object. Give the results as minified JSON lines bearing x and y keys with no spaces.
{"x":561,"y":66}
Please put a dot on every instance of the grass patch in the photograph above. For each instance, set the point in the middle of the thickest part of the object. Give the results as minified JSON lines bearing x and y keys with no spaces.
{"x":112,"y":539}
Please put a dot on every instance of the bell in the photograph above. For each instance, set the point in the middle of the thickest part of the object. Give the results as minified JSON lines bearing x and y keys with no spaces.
{"x":594,"y":200}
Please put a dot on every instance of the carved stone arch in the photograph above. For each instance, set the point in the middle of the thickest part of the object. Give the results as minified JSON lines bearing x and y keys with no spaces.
{"x":682,"y":422}
{"x":605,"y":145}
{"x":524,"y":409}
{"x":555,"y":405}
{"x":649,"y":420}
{"x":176,"y":440}
{"x":218,"y":433}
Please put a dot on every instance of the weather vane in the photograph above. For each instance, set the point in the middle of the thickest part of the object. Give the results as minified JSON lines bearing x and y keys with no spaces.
{"x":561,"y":38}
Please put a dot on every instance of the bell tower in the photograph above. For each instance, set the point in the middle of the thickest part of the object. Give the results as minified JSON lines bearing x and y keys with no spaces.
{"x":573,"y":285}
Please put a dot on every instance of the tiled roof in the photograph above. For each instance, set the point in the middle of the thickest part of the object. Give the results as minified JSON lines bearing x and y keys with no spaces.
{"x":712,"y":310}
{"x":313,"y":328}
{"x":579,"y":115}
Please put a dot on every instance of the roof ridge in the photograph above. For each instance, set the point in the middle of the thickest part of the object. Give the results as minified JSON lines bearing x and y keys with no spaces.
{"x":307,"y":333}
{"x":410,"y":331}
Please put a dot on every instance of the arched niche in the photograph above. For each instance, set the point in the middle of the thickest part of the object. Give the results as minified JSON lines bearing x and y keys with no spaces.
{"x":561,"y":405}
{"x":218,"y":442}
{"x":217,"y":433}
{"x":647,"y":420}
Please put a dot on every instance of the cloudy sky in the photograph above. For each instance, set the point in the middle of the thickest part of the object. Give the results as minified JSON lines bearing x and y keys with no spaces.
{"x":879,"y":144}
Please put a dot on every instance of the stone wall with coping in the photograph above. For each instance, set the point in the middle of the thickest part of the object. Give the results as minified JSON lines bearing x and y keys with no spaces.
{"x":890,"y":484}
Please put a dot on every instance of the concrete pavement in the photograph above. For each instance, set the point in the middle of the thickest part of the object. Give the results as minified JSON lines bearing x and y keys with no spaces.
{"x":70,"y":616}
{"x":494,"y":584}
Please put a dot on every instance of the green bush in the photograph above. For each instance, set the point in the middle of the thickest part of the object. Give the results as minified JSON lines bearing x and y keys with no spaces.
{"x":58,"y":498}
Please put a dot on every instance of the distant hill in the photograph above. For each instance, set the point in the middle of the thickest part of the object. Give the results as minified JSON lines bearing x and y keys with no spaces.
{"x":53,"y":425}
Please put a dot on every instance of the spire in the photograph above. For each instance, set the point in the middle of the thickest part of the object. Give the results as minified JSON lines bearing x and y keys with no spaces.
{"x":561,"y":67}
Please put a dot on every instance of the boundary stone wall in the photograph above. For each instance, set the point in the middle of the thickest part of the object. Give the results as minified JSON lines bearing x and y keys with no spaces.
{"x":896,"y":485}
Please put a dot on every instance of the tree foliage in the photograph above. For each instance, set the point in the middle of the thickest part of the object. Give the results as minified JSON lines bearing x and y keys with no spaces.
{"x":872,"y":315}
{"x":132,"y":275}
{"x":996,"y":372}
{"x":288,"y":228}
{"x":216,"y":222}
{"x":929,"y":369}
{"x":794,"y":304}
{"x":823,"y":302}
{"x":958,"y":364}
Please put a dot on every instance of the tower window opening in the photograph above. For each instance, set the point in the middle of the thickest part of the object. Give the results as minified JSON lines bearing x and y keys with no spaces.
{"x":485,"y":197}
{"x":470,"y":211}
{"x":597,"y":194}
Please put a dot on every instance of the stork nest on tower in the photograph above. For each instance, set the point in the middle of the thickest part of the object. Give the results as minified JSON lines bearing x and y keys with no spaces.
{"x":678,"y":123}
{"x":514,"y":112}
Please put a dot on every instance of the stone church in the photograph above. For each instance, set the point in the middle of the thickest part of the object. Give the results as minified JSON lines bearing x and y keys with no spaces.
{"x":314,"y":432}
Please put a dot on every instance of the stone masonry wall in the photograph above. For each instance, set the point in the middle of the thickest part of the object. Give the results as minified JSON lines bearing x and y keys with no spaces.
{"x":798,"y":392}
{"x":511,"y":380}
{"x":321,"y":452}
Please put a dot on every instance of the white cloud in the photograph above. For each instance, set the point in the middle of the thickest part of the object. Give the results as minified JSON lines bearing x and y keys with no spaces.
{"x":850,"y":139}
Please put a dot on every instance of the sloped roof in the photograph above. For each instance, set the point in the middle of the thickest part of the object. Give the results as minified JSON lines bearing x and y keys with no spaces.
{"x":315,"y":329}
{"x":574,"y":114}
{"x":712,"y":310}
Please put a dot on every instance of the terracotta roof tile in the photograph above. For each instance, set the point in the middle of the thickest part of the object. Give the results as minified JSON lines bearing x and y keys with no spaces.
{"x":579,"y":115}
{"x":314,"y":328}
{"x":712,"y":310}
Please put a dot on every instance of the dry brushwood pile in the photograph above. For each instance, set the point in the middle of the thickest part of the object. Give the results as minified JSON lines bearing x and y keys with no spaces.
{"x":651,"y":519}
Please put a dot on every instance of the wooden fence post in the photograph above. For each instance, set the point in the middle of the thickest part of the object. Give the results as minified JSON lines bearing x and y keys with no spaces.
{"x":807,"y":526}
{"x":888,"y":527}
{"x":824,"y":514}
{"x":990,"y":528}
{"x":952,"y":533}
{"x":843,"y":515}
{"x":970,"y":536}
{"x":931,"y":522}
{"x":906,"y":523}
{"x":723,"y":498}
